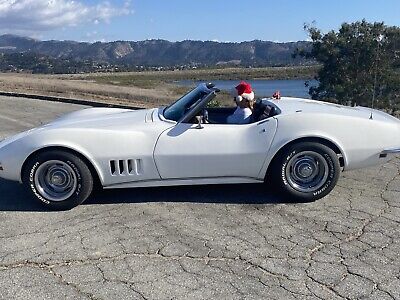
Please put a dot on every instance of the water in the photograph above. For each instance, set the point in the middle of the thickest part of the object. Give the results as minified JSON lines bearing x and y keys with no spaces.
{"x":263,"y":88}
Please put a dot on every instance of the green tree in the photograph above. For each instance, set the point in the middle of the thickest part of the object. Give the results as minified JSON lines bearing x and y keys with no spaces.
{"x":360,"y":62}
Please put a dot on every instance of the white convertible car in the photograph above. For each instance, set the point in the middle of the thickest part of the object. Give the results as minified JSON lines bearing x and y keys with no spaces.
{"x":299,"y":146}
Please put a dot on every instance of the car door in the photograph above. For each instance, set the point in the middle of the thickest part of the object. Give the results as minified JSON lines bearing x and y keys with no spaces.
{"x":214,"y":150}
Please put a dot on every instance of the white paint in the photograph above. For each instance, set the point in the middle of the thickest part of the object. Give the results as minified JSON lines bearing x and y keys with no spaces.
{"x":216,"y":150}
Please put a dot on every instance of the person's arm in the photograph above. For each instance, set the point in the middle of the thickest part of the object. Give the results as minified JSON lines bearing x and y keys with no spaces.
{"x":240,"y":116}
{"x":245,"y":116}
{"x":233,"y":119}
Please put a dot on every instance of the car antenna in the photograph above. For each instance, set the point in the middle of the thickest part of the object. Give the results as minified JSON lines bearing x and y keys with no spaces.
{"x":379,"y":40}
{"x":371,"y":117}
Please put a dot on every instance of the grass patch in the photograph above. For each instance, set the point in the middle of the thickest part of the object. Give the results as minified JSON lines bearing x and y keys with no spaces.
{"x":151,"y":80}
{"x":223,"y":99}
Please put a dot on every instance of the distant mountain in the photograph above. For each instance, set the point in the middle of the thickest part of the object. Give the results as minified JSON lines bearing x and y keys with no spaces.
{"x":161,"y":52}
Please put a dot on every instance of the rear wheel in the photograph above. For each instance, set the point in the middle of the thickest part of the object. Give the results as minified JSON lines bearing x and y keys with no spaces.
{"x":58,"y":179}
{"x":306,"y":171}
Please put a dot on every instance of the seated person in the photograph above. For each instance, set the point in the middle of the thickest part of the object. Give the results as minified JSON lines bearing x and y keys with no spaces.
{"x":244,"y":98}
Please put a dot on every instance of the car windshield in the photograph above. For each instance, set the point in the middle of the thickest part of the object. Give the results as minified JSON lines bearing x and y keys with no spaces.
{"x":178,"y":109}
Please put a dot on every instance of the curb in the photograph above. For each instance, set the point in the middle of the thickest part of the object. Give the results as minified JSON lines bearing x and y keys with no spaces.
{"x":68,"y":100}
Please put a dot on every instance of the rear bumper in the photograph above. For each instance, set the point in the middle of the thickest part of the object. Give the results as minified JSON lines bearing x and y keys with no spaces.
{"x":391,"y":151}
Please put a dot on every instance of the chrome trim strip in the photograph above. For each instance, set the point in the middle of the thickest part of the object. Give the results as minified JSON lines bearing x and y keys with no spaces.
{"x":391,"y":151}
{"x":188,"y":179}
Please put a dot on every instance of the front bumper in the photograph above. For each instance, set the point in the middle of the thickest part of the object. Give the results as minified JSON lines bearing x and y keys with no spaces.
{"x":11,"y":160}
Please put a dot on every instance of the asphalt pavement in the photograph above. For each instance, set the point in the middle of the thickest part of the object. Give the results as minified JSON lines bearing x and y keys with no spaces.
{"x":207,"y":242}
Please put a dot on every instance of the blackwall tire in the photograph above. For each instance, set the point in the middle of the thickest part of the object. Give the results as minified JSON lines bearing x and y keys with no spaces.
{"x":59,"y":180}
{"x":305,"y":172}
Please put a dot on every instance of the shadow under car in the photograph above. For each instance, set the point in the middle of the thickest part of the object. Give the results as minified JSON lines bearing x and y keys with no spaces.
{"x":14,"y":197}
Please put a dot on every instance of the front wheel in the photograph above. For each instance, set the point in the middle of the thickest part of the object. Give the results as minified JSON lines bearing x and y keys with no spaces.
{"x":58,"y":179}
{"x":306,"y":171}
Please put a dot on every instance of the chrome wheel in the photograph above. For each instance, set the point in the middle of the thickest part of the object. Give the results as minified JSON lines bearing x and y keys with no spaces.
{"x":55,"y":180}
{"x":307,"y":171}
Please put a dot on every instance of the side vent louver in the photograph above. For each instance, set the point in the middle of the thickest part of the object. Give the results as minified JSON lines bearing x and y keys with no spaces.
{"x":113,"y":168}
{"x":126,"y":167}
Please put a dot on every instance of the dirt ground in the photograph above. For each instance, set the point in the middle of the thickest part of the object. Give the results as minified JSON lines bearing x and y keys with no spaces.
{"x":72,"y":87}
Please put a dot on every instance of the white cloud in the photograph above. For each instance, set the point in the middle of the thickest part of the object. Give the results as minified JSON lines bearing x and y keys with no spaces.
{"x":32,"y":16}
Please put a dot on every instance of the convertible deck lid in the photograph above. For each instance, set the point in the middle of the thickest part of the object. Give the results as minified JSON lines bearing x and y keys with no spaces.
{"x":289,"y":105}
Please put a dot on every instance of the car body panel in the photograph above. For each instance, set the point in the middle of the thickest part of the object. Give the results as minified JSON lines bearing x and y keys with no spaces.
{"x":101,"y":136}
{"x":360,"y":138}
{"x":216,"y":150}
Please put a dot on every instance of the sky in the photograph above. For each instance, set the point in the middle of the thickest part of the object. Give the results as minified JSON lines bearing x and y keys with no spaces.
{"x":176,"y":20}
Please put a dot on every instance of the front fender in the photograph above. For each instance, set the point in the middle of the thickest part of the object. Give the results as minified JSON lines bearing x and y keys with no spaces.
{"x":14,"y":155}
{"x":98,"y":145}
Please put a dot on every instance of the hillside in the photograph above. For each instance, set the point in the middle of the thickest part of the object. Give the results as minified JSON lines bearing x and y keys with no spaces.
{"x":161,"y":53}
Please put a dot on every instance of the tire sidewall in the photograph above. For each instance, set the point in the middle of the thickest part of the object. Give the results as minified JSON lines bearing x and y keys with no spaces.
{"x":82,"y":173}
{"x":333,"y":171}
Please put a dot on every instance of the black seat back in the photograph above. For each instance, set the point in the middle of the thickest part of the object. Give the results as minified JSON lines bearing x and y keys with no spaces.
{"x":258,"y":109}
{"x":263,"y":111}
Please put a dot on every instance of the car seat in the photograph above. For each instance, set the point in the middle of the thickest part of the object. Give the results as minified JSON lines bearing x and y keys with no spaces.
{"x":262,"y":111}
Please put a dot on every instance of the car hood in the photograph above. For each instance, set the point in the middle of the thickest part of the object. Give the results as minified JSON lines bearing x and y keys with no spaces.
{"x":103,"y":117}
